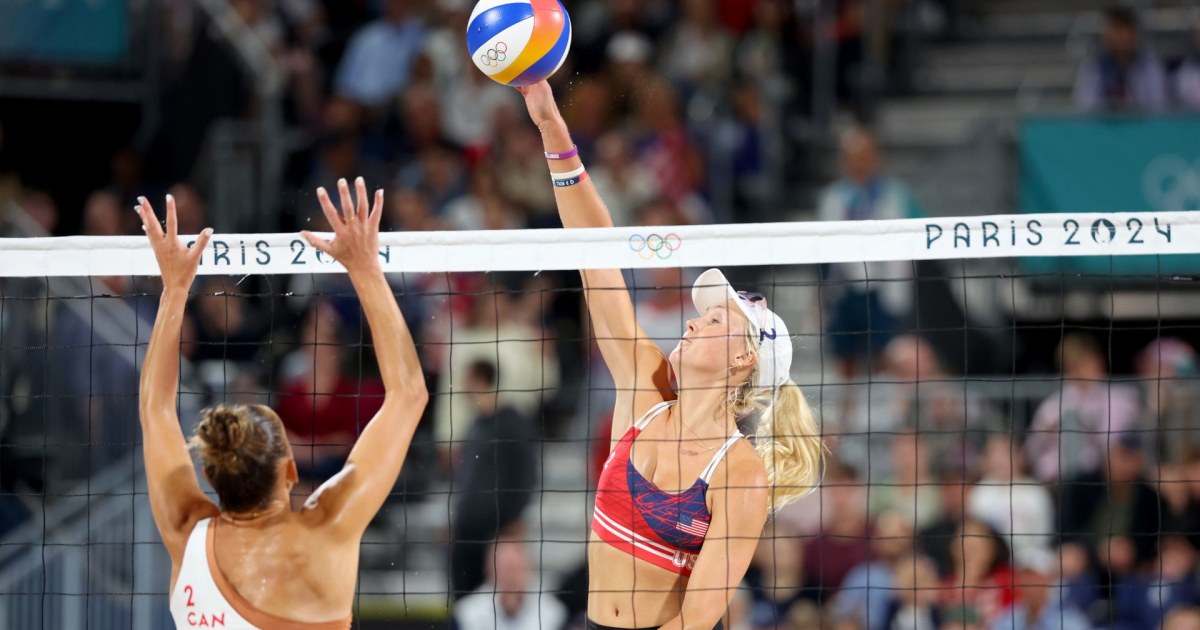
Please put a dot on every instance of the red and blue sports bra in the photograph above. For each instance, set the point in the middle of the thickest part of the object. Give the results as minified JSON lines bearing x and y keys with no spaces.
{"x":633,"y":515}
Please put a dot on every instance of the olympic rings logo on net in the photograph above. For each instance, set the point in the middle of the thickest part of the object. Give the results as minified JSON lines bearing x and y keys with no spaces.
{"x":654,"y":245}
{"x":494,"y":56}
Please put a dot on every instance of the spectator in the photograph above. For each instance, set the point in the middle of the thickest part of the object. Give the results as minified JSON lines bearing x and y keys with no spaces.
{"x":916,"y":606}
{"x":771,"y":53}
{"x":339,"y":149}
{"x":510,"y":333}
{"x":598,"y":24}
{"x":952,"y":420}
{"x":935,"y":540}
{"x":665,"y":148}
{"x":864,"y":316}
{"x":698,"y":54}
{"x":324,"y":406}
{"x":380,"y":58}
{"x":1122,"y":75}
{"x":102,"y":215}
{"x":906,"y":396}
{"x":482,"y":207}
{"x":741,"y":153}
{"x":1009,"y":501}
{"x":422,"y":122}
{"x":436,"y":173}
{"x":506,"y":601}
{"x":407,"y":210}
{"x":474,"y":107}
{"x":588,"y":111}
{"x":40,"y":207}
{"x":1179,"y":484}
{"x":1114,"y":514}
{"x":844,"y":541}
{"x":519,"y":148}
{"x":1080,"y":580}
{"x":779,"y":597}
{"x":869,"y":591}
{"x":979,"y":586}
{"x":1165,"y":368}
{"x":1187,"y":75}
{"x":911,"y":489}
{"x":1144,"y":598}
{"x":623,"y":186}
{"x":227,"y":328}
{"x":1072,"y":429}
{"x":629,"y":56}
{"x":495,"y":476}
{"x":1039,"y":605}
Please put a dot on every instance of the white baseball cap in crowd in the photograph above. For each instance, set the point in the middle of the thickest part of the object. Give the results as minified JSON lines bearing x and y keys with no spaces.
{"x":1035,"y":559}
{"x":774,"y":344}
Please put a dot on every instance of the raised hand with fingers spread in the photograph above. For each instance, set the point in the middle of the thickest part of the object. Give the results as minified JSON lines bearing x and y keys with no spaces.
{"x":356,"y":231}
{"x":176,"y":261}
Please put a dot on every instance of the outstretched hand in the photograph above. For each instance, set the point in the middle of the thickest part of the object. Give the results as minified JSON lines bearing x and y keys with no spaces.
{"x":356,"y":231}
{"x":539,"y":100}
{"x":176,"y":262}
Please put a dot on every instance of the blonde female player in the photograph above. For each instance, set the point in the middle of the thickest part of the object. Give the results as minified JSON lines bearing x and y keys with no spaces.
{"x":683,"y":497}
{"x":253,"y":562}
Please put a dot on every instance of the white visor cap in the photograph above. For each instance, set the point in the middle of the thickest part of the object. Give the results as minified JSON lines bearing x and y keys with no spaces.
{"x":774,"y":344}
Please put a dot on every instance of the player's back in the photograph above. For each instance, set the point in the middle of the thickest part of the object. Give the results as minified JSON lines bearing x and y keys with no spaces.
{"x":282,"y":574}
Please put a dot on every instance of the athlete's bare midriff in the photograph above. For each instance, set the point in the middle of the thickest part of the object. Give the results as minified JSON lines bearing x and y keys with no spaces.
{"x":625,"y":592}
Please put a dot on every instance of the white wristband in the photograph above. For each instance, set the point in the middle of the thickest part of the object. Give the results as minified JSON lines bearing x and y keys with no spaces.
{"x":565,"y":176}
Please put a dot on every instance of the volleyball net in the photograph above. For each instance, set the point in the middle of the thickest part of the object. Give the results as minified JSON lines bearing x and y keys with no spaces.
{"x":1002,"y":397}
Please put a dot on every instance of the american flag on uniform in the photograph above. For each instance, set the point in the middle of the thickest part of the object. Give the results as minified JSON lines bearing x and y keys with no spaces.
{"x":686,"y":525}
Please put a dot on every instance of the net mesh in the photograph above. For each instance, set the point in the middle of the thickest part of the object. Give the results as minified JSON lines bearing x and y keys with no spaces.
{"x":1009,"y":428}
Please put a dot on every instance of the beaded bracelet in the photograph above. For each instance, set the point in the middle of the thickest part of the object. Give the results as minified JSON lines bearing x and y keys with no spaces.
{"x":565,"y":155}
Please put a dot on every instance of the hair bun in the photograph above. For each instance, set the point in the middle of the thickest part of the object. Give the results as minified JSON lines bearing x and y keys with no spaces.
{"x":223,"y":433}
{"x":240,"y":447}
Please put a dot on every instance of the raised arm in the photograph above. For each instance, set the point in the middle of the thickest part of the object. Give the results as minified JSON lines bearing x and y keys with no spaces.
{"x":639,"y":369}
{"x":352,"y":497}
{"x":176,"y":500}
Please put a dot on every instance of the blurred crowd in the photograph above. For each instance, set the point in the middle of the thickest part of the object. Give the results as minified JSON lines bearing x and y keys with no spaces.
{"x":1125,"y":74}
{"x":937,"y":510}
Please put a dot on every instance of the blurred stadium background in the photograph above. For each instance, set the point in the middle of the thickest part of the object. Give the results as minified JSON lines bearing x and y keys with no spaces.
{"x":687,"y":112}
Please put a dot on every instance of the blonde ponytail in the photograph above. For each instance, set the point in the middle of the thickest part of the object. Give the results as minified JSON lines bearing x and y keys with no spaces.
{"x":790,"y":445}
{"x":787,"y":438}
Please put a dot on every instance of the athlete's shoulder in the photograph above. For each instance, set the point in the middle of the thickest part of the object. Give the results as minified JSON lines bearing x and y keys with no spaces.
{"x":744,"y":469}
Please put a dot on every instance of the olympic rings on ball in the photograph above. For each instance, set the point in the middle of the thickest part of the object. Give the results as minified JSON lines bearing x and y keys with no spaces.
{"x":653,"y":245}
{"x":494,"y":56}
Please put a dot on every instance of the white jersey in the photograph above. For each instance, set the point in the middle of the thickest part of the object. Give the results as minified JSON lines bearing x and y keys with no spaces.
{"x":197,"y":601}
{"x":204,"y":598}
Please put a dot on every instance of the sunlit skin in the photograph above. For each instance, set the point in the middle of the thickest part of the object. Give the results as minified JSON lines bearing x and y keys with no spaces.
{"x":301,"y":564}
{"x":712,"y":359}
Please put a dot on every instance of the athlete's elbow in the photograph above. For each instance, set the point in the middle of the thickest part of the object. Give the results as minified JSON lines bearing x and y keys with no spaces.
{"x":153,"y":406}
{"x":420,"y":399}
{"x":410,"y":395}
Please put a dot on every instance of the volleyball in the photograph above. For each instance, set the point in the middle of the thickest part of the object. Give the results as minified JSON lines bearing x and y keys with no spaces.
{"x":518,"y":42}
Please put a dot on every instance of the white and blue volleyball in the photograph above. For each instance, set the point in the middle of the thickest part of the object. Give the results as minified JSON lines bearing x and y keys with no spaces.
{"x":518,"y":42}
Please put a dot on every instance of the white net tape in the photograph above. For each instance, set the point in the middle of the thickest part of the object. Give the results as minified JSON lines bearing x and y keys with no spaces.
{"x":998,"y":236}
